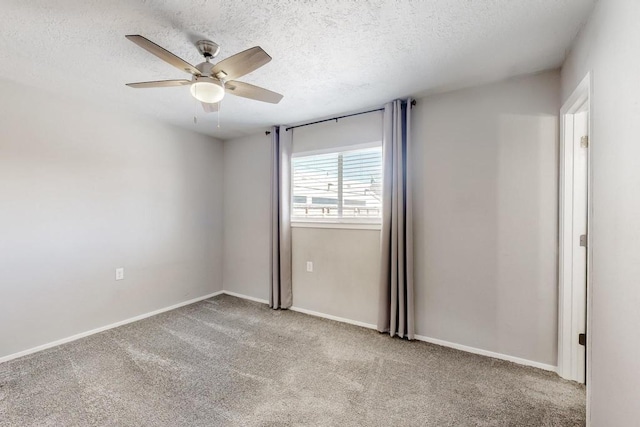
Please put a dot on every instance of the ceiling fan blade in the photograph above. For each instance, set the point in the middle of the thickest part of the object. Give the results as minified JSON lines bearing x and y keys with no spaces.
{"x":163,"y":54}
{"x":241,"y":63}
{"x":246,"y":90}
{"x":161,"y":83}
{"x":210,"y":108}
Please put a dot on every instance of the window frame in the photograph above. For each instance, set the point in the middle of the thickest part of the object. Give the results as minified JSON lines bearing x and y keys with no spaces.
{"x":339,"y":223}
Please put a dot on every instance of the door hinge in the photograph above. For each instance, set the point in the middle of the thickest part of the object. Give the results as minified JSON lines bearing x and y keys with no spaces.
{"x":582,"y":339}
{"x":583,"y":240}
{"x":584,"y":141}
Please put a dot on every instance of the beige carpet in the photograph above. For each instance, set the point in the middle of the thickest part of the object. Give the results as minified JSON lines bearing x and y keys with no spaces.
{"x":230,"y":362}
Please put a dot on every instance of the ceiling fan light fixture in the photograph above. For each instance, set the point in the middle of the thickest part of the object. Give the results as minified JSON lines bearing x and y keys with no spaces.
{"x":209,"y":82}
{"x":206,"y":89}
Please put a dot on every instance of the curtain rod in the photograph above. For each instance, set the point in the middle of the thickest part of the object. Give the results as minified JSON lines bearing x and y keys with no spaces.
{"x":413,"y":102}
{"x":335,"y":118}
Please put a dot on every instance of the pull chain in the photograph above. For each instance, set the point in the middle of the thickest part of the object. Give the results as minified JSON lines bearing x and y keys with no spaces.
{"x":195,"y":109}
{"x":219,"y":110}
{"x":220,"y":105}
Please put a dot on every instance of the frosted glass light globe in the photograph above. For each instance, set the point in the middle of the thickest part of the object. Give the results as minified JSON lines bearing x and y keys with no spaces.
{"x":206,"y":89}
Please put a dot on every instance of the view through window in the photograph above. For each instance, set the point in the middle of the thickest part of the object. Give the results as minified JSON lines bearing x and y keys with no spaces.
{"x":345,"y":185}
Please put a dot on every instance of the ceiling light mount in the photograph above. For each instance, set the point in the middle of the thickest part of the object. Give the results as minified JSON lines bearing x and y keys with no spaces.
{"x":208,"y":49}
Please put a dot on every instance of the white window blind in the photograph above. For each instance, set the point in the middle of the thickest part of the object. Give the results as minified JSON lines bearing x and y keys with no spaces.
{"x":341,"y":186}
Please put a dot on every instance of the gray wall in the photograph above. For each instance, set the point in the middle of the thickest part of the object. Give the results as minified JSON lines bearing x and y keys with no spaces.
{"x":609,"y":47}
{"x":83,"y":191}
{"x":247,"y":211}
{"x":346,"y":271}
{"x":485,"y":210}
{"x":485,"y":186}
{"x":362,"y":129}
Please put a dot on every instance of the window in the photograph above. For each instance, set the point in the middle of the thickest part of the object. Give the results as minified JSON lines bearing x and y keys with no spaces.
{"x":339,"y":186}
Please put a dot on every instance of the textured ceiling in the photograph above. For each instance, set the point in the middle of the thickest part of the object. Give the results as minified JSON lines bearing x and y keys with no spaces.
{"x":329,"y":56}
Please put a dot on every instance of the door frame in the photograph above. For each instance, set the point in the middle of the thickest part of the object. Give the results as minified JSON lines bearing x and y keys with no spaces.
{"x":567,"y":323}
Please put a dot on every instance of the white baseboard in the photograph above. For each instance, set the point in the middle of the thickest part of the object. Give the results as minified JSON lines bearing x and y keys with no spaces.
{"x":487,"y":353}
{"x":518,"y":360}
{"x":443,"y":343}
{"x":104,"y":328}
{"x":306,"y":311}
{"x":331,"y":317}
{"x":247,"y":297}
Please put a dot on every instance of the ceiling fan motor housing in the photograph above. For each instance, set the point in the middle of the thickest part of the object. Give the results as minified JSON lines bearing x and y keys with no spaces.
{"x":205,"y":69}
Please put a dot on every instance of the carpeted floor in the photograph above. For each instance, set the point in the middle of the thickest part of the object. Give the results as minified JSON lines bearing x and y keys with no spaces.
{"x":230,"y":362}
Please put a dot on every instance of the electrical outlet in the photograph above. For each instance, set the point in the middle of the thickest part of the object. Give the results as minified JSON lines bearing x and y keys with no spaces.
{"x":310,"y":266}
{"x":120,"y":273}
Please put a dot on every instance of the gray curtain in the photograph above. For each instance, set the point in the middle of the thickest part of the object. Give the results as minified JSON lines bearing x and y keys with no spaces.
{"x":395,"y":310}
{"x":280,"y":295}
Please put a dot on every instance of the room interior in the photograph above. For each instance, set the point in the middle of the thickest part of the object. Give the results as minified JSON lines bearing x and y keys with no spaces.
{"x":161,"y":264}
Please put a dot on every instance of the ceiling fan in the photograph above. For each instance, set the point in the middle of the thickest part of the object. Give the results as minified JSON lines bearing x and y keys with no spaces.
{"x":209,"y":82}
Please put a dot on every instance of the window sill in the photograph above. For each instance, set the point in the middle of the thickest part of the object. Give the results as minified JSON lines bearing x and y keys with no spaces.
{"x":337,"y":225}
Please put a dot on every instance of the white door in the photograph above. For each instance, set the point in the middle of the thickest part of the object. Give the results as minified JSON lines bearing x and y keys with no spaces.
{"x":580,"y":240}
